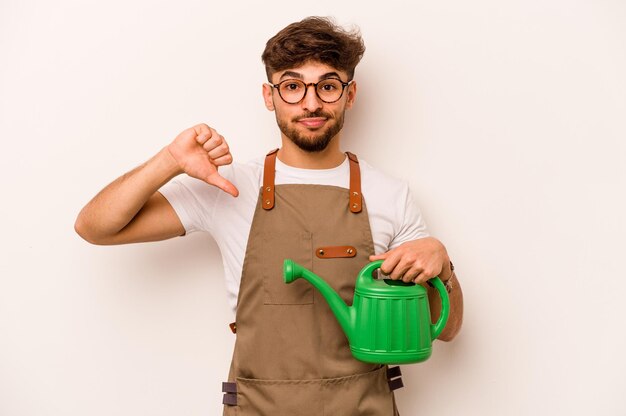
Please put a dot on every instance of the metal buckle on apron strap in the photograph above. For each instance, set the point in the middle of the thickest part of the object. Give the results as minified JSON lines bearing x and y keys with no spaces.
{"x":230,"y":396}
{"x":394,"y":383}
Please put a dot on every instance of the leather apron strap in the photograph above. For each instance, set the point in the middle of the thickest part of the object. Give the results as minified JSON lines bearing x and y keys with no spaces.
{"x":269,"y":172}
{"x":355,"y":184}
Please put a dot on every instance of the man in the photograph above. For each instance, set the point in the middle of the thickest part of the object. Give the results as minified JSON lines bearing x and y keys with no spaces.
{"x":305,"y":201}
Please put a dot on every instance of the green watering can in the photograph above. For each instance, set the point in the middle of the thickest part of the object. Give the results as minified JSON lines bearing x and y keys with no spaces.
{"x":389,"y":320}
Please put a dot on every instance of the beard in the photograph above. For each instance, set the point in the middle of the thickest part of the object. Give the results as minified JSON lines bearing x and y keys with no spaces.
{"x":315,"y":141}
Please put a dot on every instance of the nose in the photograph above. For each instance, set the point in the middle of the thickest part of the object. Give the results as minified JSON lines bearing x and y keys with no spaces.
{"x":311,"y":102}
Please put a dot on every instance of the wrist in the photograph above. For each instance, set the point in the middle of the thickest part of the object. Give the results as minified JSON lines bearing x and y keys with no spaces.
{"x":447,"y":281}
{"x":168,"y":163}
{"x":447,"y":271}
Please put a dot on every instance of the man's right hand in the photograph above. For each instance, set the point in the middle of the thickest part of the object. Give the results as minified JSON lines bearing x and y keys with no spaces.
{"x":130,"y":209}
{"x":199,"y":151}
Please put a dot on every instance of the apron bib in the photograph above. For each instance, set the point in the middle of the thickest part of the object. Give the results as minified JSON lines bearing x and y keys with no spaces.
{"x":291,"y":356}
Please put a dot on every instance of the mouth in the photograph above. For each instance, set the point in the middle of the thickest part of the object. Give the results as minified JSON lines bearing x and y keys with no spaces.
{"x":313,"y":122}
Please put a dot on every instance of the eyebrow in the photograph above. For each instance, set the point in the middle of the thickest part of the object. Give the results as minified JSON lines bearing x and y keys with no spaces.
{"x":293,"y":74}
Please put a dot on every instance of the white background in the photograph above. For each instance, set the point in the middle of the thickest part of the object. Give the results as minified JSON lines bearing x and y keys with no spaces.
{"x":507,"y":119}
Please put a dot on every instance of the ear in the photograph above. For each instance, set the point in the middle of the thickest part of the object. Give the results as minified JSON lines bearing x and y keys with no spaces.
{"x":351,"y":95}
{"x":268,"y":97}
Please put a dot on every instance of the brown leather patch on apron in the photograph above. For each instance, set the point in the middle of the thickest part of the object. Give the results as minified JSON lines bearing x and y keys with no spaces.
{"x":335,"y":252}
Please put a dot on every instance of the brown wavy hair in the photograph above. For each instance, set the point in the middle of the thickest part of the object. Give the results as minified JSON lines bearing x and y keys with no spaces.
{"x":313,"y":39}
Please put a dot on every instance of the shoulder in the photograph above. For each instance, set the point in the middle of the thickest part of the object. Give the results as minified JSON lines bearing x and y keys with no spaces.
{"x":395,"y":217}
{"x":377,"y":183}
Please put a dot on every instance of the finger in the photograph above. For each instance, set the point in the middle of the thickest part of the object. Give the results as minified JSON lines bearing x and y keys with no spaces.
{"x":225,"y":185}
{"x":381,"y":256}
{"x":411,"y":274}
{"x":389,"y":264}
{"x":204,"y":133}
{"x":219,"y":151}
{"x":400,"y":270}
{"x":421,"y":278}
{"x":202,"y":138}
{"x":202,"y":128}
{"x":427,"y":273}
{"x":223,"y":160}
{"x":214,"y":142}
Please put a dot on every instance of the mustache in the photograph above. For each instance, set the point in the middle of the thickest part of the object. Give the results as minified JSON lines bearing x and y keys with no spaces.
{"x":313,"y":114}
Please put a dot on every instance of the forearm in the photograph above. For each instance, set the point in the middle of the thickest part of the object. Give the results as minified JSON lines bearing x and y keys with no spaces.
{"x":118,"y":203}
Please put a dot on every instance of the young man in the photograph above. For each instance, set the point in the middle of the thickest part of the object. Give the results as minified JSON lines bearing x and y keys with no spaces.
{"x":305,"y":201}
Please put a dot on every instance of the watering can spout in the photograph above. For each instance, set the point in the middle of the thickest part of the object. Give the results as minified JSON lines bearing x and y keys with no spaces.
{"x":293,"y":271}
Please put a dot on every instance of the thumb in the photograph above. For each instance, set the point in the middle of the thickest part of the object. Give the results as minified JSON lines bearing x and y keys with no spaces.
{"x":381,"y":256}
{"x":225,"y":185}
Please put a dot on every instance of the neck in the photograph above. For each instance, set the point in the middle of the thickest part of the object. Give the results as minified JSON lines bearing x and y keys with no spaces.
{"x":329,"y":158}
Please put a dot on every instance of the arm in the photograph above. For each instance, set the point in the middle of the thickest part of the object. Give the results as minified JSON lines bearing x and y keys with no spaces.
{"x":131,"y":209}
{"x":418,"y":261}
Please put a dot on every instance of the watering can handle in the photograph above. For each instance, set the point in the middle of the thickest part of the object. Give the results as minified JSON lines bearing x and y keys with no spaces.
{"x":368,"y":271}
{"x":436,"y":328}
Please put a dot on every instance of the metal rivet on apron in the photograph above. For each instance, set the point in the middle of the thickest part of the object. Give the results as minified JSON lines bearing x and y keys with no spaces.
{"x":355,"y":193}
{"x":355,"y":206}
{"x":268,"y":189}
{"x":350,"y":251}
{"x":321,"y":252}
{"x":267,"y":202}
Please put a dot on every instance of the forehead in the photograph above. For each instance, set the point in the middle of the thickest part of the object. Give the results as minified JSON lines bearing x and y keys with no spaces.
{"x":310,"y":71}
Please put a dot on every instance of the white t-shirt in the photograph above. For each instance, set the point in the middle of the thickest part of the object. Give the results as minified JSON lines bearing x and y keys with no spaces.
{"x":394,"y":218}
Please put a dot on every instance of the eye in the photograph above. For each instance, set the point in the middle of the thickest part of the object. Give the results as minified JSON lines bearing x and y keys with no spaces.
{"x":291,"y":86}
{"x":330,"y":85}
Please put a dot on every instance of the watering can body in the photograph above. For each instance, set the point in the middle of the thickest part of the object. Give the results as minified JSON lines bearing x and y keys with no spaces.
{"x":389,"y":320}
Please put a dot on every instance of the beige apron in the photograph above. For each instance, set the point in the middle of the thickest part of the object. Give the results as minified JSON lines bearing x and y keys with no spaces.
{"x":291,"y":357}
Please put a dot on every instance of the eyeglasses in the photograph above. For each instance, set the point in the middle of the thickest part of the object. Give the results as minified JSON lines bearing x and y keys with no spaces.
{"x":329,"y":90}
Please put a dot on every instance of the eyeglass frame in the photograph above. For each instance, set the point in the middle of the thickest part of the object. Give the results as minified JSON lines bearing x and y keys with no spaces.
{"x":306,"y":89}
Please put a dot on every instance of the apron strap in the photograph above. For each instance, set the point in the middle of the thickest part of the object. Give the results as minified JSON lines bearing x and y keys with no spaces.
{"x":394,"y":378}
{"x":269,"y":174}
{"x":230,"y":393}
{"x":355,"y":184}
{"x":269,"y":171}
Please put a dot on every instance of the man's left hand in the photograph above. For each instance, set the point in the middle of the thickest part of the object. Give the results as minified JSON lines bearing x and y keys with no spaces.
{"x":416,"y":261}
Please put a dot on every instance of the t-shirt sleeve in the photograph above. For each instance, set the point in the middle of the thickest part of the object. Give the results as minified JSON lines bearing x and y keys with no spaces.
{"x":411,"y":223}
{"x":193,"y":201}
